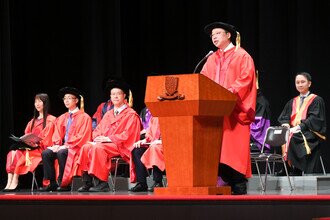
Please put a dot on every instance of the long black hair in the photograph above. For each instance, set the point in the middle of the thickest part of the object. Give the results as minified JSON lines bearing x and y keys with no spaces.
{"x":45,"y":99}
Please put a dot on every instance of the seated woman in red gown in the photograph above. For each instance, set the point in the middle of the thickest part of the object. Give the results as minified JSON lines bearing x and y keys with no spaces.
{"x":26,"y":156}
{"x":148,"y":154}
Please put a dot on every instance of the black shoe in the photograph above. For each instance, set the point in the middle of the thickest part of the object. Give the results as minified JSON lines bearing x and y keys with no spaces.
{"x":101,"y":187}
{"x":10,"y":190}
{"x":49,"y":188}
{"x":16,"y":189}
{"x":157,"y":184}
{"x":140,"y":187}
{"x":84,"y":188}
{"x":64,"y":189}
{"x":239,"y":188}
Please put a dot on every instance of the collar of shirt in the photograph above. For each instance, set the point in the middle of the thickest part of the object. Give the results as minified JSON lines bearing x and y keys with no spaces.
{"x":120,"y":109}
{"x":231,"y":45}
{"x":305,"y":95}
{"x":74,"y":110}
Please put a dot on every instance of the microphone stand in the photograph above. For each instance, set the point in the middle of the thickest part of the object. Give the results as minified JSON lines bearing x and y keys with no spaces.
{"x":202,"y":60}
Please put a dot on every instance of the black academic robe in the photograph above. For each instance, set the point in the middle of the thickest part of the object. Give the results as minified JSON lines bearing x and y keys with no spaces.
{"x":313,"y":129}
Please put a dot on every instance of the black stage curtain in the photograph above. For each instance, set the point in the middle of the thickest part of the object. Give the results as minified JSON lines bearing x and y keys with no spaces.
{"x":46,"y":45}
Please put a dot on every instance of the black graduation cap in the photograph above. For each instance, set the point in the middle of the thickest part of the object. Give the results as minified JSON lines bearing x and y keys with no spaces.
{"x":69,"y":90}
{"x":228,"y":27}
{"x":119,"y":84}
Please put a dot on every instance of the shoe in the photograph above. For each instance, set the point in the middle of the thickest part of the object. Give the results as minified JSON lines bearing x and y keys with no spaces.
{"x":157,"y":184}
{"x":239,"y":188}
{"x":49,"y":188}
{"x":140,"y":187}
{"x":101,"y":187}
{"x":84,"y":188}
{"x":16,"y":189}
{"x":10,"y":190}
{"x":64,"y":189}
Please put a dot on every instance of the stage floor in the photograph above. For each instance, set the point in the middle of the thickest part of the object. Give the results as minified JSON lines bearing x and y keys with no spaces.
{"x":125,"y":205}
{"x":251,"y":193}
{"x":309,"y":200}
{"x":311,"y":185}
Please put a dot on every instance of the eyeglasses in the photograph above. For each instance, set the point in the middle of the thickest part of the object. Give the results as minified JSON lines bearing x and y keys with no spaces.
{"x":217,"y":33}
{"x":68,"y":98}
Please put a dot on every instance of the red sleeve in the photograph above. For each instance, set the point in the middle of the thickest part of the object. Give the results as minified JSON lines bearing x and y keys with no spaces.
{"x":98,"y":114}
{"x":28,"y":127}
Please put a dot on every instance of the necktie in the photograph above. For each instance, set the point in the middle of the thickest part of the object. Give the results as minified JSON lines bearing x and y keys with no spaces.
{"x":67,"y":128}
{"x":301,"y":100}
{"x":116,"y":112}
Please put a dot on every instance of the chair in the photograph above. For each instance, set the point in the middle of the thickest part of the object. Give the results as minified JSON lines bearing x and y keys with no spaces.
{"x":117,"y":160}
{"x":323,"y":168}
{"x":322,"y":165}
{"x":34,"y":179}
{"x":275,"y":136}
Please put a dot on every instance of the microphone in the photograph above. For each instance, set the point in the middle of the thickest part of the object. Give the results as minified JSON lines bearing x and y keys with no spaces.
{"x":202,"y":60}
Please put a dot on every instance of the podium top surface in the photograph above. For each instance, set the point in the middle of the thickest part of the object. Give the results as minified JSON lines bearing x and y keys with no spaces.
{"x":195,"y":94}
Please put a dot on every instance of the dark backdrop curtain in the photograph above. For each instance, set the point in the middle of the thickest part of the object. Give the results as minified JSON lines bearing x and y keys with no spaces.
{"x":46,"y":45}
{"x":6,"y":100}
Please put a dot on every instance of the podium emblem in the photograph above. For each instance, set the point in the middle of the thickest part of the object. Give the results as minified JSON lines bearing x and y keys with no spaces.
{"x":171,"y":89}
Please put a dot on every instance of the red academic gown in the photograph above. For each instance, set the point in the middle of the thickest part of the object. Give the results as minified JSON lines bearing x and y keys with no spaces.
{"x":21,"y":162}
{"x":154,"y":155}
{"x":80,"y":133}
{"x":234,"y":70}
{"x":123,"y":130}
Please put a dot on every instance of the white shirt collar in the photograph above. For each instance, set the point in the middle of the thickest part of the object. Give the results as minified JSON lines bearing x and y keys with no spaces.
{"x":120,"y":109}
{"x":305,"y":94}
{"x":74,"y":110}
{"x":231,"y":45}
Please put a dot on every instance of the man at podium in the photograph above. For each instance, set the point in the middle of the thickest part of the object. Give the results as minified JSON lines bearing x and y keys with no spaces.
{"x":233,"y":68}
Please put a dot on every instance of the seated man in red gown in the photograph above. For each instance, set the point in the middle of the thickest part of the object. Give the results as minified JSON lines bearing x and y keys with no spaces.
{"x":118,"y":130}
{"x":72,"y":130}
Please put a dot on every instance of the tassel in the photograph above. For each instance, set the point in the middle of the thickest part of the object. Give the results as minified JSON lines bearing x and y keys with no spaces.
{"x":27,"y":158}
{"x":82,"y":106}
{"x":238,"y":40}
{"x":308,"y":149}
{"x":257,"y":79}
{"x":130,"y":99}
{"x":319,"y":135}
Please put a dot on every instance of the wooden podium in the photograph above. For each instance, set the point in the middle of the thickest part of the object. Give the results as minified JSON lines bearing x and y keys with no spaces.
{"x":191,"y":130}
